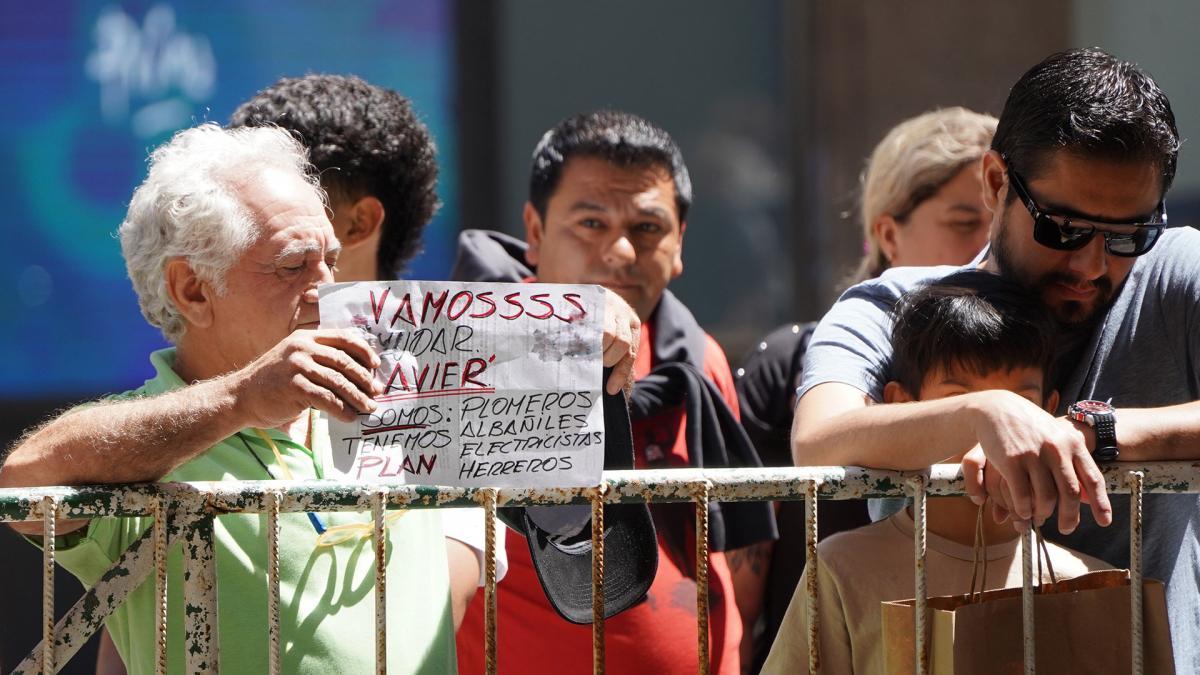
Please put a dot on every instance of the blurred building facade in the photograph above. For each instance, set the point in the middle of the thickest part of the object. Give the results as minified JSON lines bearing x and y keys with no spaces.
{"x":775,"y":104}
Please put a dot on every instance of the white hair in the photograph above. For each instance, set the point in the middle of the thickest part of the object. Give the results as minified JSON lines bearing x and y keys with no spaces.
{"x":188,"y":207}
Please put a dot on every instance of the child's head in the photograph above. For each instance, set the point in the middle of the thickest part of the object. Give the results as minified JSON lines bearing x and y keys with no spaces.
{"x":970,"y":331}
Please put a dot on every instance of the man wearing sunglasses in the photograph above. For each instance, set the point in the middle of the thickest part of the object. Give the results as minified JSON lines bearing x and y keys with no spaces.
{"x":1084,"y":153}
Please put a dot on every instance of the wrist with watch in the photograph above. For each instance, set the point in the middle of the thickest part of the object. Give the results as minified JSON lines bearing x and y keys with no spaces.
{"x":1101,"y":417}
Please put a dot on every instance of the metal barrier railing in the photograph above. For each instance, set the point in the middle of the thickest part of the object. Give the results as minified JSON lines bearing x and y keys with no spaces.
{"x":183,"y":514}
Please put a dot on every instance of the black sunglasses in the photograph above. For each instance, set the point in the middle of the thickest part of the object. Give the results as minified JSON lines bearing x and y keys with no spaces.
{"x":1062,"y":233}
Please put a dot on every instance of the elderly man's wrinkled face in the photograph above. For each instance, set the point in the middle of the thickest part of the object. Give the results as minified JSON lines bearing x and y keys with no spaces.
{"x":609,"y":225}
{"x":271,"y":289}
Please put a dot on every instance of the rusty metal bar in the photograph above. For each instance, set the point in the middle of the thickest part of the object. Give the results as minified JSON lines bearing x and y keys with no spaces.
{"x":49,"y":513}
{"x":598,"y":579}
{"x":1027,"y":624}
{"x":274,"y":649}
{"x":702,"y":577}
{"x":200,"y":599}
{"x":379,"y":499}
{"x":190,"y":502}
{"x":489,"y":581}
{"x":920,"y":530}
{"x":160,"y":585}
{"x":1136,"y":479}
{"x":630,"y":487}
{"x":810,"y":569}
{"x":89,"y":612}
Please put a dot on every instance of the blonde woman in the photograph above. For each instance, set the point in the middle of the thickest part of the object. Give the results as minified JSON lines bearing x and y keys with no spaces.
{"x":921,"y":204}
{"x":921,"y":192}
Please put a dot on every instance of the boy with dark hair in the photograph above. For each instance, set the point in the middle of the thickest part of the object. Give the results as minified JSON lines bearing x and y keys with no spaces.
{"x":971,"y":331}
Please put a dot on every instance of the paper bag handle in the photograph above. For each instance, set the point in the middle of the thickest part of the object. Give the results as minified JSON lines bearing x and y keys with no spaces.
{"x":980,"y":551}
{"x":1043,"y":553}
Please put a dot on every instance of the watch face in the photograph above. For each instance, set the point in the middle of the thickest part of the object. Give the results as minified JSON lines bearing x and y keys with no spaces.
{"x":1093,"y":407}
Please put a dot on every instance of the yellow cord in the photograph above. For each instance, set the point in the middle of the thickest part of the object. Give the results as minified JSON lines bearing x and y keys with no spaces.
{"x":336,"y":534}
{"x":287,"y":473}
{"x":333,"y":534}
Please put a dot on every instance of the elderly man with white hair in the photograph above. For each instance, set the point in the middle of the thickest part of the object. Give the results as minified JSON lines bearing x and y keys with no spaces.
{"x":226,"y":242}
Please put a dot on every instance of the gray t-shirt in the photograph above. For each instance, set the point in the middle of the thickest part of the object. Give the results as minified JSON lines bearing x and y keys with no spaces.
{"x":1144,"y":353}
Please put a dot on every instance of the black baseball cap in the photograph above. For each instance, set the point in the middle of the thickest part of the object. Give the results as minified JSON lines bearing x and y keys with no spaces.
{"x":560,"y":537}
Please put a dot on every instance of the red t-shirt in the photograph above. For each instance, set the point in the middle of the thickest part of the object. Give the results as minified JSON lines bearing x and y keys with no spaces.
{"x":657,"y":636}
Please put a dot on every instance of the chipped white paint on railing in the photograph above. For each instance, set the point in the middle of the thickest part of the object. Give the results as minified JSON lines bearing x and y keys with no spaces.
{"x":184,"y":513}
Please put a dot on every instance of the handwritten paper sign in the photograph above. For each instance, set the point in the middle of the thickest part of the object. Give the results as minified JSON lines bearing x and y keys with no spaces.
{"x":484,"y":385}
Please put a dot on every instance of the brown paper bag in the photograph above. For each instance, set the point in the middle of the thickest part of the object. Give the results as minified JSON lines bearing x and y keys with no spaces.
{"x":1081,"y":625}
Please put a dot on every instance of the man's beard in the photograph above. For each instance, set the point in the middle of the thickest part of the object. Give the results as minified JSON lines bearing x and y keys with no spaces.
{"x":1070,"y":314}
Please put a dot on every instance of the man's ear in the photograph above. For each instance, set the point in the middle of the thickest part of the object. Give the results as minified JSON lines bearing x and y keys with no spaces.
{"x":534,"y":230}
{"x":191,"y":295}
{"x":366,"y":217}
{"x":894,"y":392}
{"x":995,"y":181}
{"x":1051,"y":402}
{"x":677,"y":264}
{"x":884,"y":228}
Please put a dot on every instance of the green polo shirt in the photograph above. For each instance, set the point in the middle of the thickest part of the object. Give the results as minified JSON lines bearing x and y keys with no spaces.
{"x":327,"y":597}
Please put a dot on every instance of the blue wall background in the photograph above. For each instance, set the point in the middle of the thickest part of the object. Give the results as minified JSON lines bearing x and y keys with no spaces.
{"x":88,"y":88}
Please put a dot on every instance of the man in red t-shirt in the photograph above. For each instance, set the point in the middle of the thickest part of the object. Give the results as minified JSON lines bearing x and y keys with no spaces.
{"x":608,"y":203}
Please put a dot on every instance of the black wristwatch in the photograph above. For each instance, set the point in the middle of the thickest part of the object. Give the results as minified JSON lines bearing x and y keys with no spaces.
{"x":1101,"y":417}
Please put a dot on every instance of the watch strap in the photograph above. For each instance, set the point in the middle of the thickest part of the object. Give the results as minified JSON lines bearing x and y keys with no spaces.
{"x":1100,"y":416}
{"x":1106,"y":437}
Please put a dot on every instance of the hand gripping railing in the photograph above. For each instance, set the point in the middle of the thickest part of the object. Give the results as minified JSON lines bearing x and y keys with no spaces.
{"x":183,"y":515}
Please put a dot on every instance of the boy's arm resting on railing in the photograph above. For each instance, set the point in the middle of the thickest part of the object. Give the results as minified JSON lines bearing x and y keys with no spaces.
{"x":144,"y":439}
{"x":1044,"y":460}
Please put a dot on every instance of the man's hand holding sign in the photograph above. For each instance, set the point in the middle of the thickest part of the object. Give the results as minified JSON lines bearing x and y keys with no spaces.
{"x":479,"y":385}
